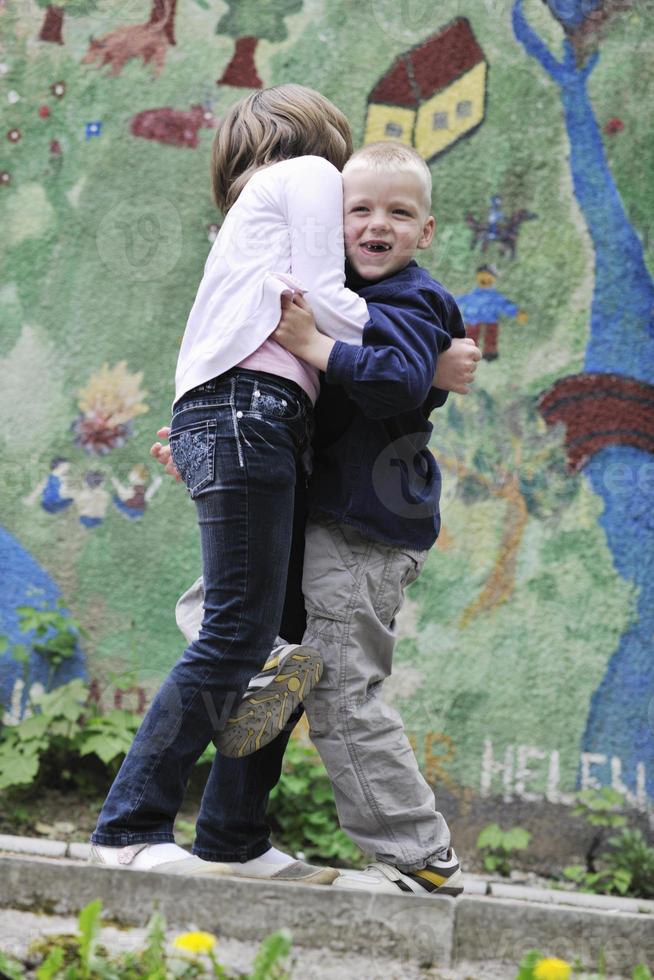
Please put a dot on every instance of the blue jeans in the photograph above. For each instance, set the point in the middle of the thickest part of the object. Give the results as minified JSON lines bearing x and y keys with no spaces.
{"x":238,"y":442}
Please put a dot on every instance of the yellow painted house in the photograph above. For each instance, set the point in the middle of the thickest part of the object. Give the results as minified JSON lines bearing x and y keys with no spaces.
{"x":433,"y":94}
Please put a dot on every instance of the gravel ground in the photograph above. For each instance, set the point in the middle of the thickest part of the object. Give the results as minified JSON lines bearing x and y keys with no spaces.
{"x":19,"y":929}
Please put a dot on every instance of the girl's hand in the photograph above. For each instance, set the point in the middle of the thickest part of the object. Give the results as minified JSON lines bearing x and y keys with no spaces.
{"x":297,"y":332}
{"x":162,"y":454}
{"x":456,"y":366}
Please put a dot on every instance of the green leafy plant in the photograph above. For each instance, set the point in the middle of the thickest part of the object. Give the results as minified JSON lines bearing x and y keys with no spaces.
{"x":601,"y":807}
{"x":606,"y":881}
{"x":54,"y":637}
{"x":497,"y":846}
{"x":83,"y":957}
{"x":627,"y":868}
{"x":58,"y":727}
{"x":632,"y":854}
{"x":303,"y":811}
{"x":269,"y":961}
{"x":10,"y":968}
{"x":51,"y":718}
{"x":622,"y":863}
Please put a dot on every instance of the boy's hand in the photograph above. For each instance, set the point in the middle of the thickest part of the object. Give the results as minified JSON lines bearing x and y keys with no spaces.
{"x":456,"y":366}
{"x":162,"y":454}
{"x":297,"y":332}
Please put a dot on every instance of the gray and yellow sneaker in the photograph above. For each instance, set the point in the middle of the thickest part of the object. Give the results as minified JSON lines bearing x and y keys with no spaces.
{"x":272,"y":696}
{"x":441,"y":877}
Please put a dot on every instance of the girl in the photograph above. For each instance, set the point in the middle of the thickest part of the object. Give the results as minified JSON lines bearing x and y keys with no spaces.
{"x":241,"y":424}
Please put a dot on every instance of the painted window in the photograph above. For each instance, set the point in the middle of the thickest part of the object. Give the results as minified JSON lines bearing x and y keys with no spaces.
{"x":439,"y":120}
{"x":464,"y":109}
{"x":393,"y":129}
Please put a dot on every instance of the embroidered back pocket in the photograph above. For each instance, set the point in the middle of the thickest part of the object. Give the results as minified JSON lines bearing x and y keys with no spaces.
{"x":193,"y":450}
{"x":270,"y":402}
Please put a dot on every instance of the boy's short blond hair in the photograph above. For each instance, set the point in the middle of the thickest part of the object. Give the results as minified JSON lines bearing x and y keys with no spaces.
{"x":389,"y":156}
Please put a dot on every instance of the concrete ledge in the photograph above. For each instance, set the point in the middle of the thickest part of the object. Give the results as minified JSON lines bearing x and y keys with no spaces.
{"x":502,"y":929}
{"x":559,"y":896}
{"x":475,"y":884}
{"x":33,"y":845}
{"x":439,"y":931}
{"x":420,"y":928}
{"x":44,"y":847}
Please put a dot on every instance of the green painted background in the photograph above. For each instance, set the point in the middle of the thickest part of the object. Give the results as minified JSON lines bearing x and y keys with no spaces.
{"x":519,"y":673}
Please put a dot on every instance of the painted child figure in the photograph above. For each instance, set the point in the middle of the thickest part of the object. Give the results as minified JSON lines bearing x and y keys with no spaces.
{"x":482,"y":309}
{"x":92,"y":500}
{"x":55,"y":491}
{"x":374,"y":513}
{"x":133,"y":499}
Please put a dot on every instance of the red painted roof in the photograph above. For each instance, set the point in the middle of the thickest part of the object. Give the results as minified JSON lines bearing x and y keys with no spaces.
{"x":426,"y":69}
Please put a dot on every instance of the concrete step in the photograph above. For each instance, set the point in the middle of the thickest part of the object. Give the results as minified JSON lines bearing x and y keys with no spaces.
{"x":440,"y":931}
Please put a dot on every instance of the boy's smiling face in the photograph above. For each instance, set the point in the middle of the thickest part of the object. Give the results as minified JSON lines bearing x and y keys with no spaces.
{"x":385,"y":219}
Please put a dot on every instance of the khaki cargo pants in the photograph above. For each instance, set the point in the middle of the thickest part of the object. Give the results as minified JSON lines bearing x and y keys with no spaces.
{"x":353,"y":589}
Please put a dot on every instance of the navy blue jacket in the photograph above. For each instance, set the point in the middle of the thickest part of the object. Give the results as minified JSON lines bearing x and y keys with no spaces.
{"x":372,"y":465}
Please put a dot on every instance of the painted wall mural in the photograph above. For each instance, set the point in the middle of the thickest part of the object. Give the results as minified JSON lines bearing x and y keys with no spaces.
{"x":622,"y":314}
{"x":26,"y":584}
{"x":433,"y":94}
{"x":248,"y":22}
{"x":482,"y":309}
{"x":525,"y":668}
{"x":148,"y":41}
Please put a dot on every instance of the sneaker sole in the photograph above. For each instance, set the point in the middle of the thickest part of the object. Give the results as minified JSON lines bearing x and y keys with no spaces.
{"x":325,"y":876}
{"x":321,"y":876}
{"x":262,"y":715}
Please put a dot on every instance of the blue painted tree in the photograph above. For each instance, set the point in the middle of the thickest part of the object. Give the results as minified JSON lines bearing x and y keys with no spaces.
{"x":609,"y":409}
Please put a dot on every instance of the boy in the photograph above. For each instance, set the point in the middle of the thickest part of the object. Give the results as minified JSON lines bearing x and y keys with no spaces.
{"x":373,"y":504}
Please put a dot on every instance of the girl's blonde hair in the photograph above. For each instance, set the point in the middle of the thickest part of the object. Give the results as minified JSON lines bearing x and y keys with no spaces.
{"x":275,"y":124}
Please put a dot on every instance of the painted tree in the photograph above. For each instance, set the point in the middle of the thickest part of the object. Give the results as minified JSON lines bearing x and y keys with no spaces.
{"x":248,"y":22}
{"x":609,"y":410}
{"x":502,"y":453}
{"x":53,"y":22}
{"x":44,"y":131}
{"x":584,"y":21}
{"x":164,"y":10}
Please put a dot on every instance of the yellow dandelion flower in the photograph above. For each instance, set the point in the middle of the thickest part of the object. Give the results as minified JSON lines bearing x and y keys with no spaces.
{"x":195,"y":942}
{"x":552,"y":968}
